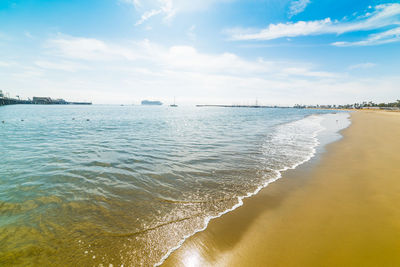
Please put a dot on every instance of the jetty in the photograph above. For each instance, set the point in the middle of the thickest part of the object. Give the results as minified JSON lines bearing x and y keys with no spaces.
{"x":239,"y":106}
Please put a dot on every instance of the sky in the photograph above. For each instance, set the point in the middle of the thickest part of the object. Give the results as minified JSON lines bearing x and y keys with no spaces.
{"x":275,"y":52}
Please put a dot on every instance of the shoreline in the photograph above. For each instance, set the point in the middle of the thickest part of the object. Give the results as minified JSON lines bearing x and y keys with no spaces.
{"x":328,"y":129}
{"x":264,"y":232}
{"x":250,"y":194}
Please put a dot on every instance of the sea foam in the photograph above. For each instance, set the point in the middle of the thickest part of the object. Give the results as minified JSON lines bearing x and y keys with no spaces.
{"x":288,"y":146}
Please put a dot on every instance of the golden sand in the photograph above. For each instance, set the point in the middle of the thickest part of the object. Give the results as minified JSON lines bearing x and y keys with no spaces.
{"x":342,"y":209}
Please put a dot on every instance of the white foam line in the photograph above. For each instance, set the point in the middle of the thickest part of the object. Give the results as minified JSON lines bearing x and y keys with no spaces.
{"x":240,"y":199}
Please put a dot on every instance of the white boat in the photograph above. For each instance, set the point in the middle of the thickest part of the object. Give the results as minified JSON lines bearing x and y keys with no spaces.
{"x":174,"y":105}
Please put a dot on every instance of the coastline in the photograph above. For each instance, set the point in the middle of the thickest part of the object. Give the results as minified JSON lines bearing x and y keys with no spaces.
{"x":318,"y":214}
{"x":278,"y":174}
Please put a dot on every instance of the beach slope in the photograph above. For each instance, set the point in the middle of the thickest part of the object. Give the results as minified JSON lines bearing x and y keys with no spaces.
{"x":341,"y":209}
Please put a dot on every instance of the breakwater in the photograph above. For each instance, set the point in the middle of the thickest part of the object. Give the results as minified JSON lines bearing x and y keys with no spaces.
{"x":240,"y":106}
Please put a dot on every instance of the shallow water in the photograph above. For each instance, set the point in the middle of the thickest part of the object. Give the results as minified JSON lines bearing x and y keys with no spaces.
{"x":90,"y":185}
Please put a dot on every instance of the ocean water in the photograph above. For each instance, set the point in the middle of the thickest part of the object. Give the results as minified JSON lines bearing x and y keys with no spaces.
{"x":125,"y":185}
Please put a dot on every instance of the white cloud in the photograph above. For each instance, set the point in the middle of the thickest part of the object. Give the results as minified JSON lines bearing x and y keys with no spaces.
{"x":5,"y":64}
{"x":147,"y":15}
{"x":280,"y":30}
{"x":382,"y":16}
{"x":385,"y":37}
{"x":61,"y":65}
{"x":297,"y":6}
{"x":191,"y":33}
{"x":174,"y":58}
{"x":366,"y":65}
{"x":88,"y":48}
{"x":28,"y":35}
{"x":154,"y":8}
{"x":169,"y":8}
{"x":135,"y":3}
{"x":107,"y":72}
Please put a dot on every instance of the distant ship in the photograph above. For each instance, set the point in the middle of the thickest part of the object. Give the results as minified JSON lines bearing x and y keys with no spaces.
{"x":151,"y":103}
{"x":174,"y":105}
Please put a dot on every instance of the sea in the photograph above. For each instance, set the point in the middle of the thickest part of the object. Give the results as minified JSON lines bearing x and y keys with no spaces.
{"x":107,"y":185}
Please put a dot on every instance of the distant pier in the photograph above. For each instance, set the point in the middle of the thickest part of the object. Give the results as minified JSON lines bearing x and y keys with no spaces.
{"x":11,"y":101}
{"x":239,"y":106}
{"x":39,"y":101}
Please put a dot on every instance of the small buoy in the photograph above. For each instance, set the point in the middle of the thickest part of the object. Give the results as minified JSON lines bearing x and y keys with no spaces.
{"x":87,"y":120}
{"x":73,"y":119}
{"x":22,"y":119}
{"x":2,"y":121}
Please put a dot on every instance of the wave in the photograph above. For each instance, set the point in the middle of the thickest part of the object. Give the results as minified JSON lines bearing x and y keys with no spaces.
{"x":300,"y":137}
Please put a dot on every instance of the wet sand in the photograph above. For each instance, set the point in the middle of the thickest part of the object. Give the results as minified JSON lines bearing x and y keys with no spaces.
{"x":340,"y":209}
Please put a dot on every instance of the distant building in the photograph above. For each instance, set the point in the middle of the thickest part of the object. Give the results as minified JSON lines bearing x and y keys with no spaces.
{"x":371,"y":108}
{"x":390,"y":108}
{"x":59,"y":101}
{"x":151,"y":103}
{"x":41,"y":100}
{"x":1,"y":93}
{"x":47,"y":101}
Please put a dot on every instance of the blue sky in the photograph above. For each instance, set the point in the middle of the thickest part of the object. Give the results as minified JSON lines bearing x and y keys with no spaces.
{"x":211,"y":51}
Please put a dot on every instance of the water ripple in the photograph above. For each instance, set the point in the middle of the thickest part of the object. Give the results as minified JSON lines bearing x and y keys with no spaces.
{"x":127,"y":186}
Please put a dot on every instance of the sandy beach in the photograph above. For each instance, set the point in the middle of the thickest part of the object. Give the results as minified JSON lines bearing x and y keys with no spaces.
{"x":340,"y":209}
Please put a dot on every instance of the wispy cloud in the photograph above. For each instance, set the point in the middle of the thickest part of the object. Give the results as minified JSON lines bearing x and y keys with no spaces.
{"x":191,"y":33}
{"x":382,"y":16}
{"x":280,"y":30}
{"x":4,"y":64}
{"x":297,"y":6}
{"x":147,"y":15}
{"x":28,"y":35}
{"x":88,"y":48}
{"x":136,"y":3}
{"x":385,"y":37}
{"x":365,"y":65}
{"x":61,"y":65}
{"x":168,"y":8}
